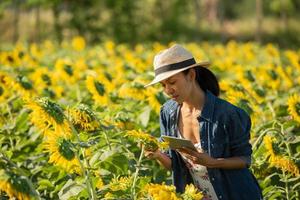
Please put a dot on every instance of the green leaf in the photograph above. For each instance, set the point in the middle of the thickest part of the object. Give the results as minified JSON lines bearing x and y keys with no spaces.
{"x":294,"y":187}
{"x":117,"y":164}
{"x":21,"y":121}
{"x":145,"y":115}
{"x":70,"y":189}
{"x":44,"y":184}
{"x":276,"y":195}
{"x":95,"y":158}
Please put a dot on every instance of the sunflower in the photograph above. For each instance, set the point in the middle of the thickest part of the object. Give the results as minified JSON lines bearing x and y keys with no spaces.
{"x":118,"y":188}
{"x":150,"y":142}
{"x":285,"y":164}
{"x":154,"y":98}
{"x":238,"y":98}
{"x":4,"y":93}
{"x":16,"y":186}
{"x":48,"y":115}
{"x":62,"y":152}
{"x":269,"y":145}
{"x":6,"y":80}
{"x":286,"y":75}
{"x":225,"y":85}
{"x":160,"y":192}
{"x":191,"y":193}
{"x":23,"y":86}
{"x":99,"y":182}
{"x":278,"y":161}
{"x":294,"y":107}
{"x":83,"y":118}
{"x":120,"y":183}
{"x":78,"y":43}
{"x":132,"y":91}
{"x":65,"y":71}
{"x":100,"y":88}
{"x":35,"y":51}
{"x":294,"y":58}
{"x":42,"y":77}
{"x":45,"y":84}
{"x":110,"y":47}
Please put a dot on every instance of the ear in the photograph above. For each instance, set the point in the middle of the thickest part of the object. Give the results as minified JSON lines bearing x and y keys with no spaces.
{"x":192,"y":74}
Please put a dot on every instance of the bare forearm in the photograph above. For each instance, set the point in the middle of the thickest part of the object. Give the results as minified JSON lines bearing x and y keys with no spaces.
{"x":164,"y":161}
{"x":228,"y":163}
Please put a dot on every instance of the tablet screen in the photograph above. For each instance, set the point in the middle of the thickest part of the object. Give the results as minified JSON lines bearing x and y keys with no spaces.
{"x":175,"y":143}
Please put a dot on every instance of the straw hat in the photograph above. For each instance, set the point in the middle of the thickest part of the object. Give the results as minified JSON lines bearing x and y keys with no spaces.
{"x":172,"y":61}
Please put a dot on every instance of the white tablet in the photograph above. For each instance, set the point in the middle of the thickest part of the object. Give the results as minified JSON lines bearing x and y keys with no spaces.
{"x":175,"y":143}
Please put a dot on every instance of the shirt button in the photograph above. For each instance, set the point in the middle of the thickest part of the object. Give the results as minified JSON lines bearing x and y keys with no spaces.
{"x":220,"y":197}
{"x":213,"y":179}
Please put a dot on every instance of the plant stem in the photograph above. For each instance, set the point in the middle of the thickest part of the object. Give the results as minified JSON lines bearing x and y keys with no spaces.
{"x":107,"y":141}
{"x":272,"y":109}
{"x":286,"y":185}
{"x":264,"y":132}
{"x":89,"y":183}
{"x":133,"y":192}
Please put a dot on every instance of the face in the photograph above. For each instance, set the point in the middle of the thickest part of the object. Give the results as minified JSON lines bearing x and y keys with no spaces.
{"x":178,"y":86}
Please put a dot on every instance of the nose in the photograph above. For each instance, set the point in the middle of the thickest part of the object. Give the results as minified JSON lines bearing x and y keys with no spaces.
{"x":168,"y":90}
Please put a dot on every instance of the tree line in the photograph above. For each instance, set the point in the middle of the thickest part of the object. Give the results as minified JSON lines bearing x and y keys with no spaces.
{"x":133,"y":21}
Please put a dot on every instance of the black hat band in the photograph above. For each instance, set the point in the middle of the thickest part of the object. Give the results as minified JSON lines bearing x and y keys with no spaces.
{"x":175,"y":66}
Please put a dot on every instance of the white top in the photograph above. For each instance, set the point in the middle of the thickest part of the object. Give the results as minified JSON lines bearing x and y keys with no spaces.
{"x":200,"y":176}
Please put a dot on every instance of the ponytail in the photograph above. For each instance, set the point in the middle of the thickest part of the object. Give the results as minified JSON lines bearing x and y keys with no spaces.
{"x":206,"y":80}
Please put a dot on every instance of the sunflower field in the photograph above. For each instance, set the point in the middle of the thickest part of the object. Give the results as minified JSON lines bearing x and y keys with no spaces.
{"x":75,"y":119}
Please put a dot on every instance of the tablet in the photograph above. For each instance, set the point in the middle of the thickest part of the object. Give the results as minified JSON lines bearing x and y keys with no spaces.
{"x":175,"y":143}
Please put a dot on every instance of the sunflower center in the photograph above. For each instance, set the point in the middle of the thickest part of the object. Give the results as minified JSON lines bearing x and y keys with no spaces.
{"x":48,"y":93}
{"x":10,"y":59}
{"x":1,"y":91}
{"x":52,"y":109}
{"x":46,"y":78}
{"x":99,"y":87}
{"x":21,"y":54}
{"x":244,"y":104}
{"x":68,"y":69}
{"x":85,"y":109}
{"x":24,"y":82}
{"x":259,"y":91}
{"x":273,"y":74}
{"x":19,"y":183}
{"x":297,"y":107}
{"x":249,"y":76}
{"x":65,"y":148}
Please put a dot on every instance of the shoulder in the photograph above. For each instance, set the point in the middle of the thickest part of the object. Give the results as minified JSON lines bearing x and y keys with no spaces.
{"x":225,"y":108}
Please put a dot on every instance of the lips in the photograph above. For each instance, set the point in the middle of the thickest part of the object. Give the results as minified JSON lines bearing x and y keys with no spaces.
{"x":175,"y":97}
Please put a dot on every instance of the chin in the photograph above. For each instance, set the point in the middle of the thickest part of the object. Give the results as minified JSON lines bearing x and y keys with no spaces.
{"x":179,"y":101}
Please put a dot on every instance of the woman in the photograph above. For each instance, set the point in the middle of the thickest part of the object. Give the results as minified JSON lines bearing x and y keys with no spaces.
{"x":219,"y":130}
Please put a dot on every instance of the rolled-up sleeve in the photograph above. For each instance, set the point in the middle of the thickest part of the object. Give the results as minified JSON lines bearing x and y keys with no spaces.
{"x":163,"y":129}
{"x":239,"y":135}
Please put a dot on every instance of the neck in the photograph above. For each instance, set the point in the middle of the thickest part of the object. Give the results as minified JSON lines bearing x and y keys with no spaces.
{"x":196,"y":100}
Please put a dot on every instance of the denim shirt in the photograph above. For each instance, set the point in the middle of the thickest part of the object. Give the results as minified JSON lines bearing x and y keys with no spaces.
{"x":224,"y":132}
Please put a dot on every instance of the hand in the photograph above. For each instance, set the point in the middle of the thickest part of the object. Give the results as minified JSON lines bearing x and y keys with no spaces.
{"x":198,"y":157}
{"x":152,"y":154}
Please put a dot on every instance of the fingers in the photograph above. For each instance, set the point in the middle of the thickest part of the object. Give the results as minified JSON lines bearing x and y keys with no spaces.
{"x":190,"y":154}
{"x":148,"y":154}
{"x":151,"y":154}
{"x":188,"y":151}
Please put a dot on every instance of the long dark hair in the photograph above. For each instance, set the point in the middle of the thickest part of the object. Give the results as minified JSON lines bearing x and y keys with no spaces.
{"x":206,"y":79}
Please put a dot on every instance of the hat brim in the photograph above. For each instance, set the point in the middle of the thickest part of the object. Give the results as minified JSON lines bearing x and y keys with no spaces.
{"x":168,"y":74}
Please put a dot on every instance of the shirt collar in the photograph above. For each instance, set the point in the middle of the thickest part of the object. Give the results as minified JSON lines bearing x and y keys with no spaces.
{"x":208,"y":108}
